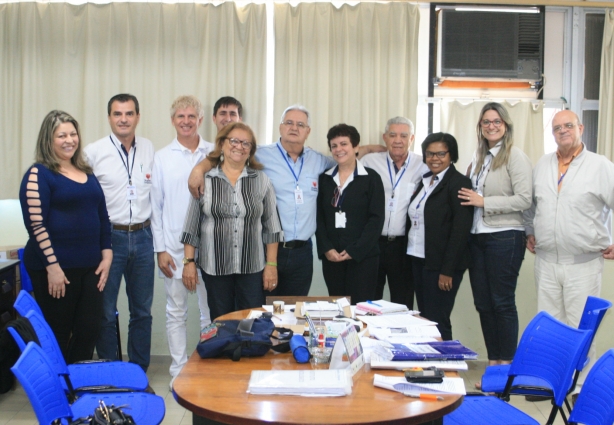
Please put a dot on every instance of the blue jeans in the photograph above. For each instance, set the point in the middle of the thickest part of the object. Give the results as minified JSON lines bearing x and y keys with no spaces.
{"x":294,"y":270}
{"x":228,"y":293}
{"x":134,"y":260}
{"x":496,"y":260}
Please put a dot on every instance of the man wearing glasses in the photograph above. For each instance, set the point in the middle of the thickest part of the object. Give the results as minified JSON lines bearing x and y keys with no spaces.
{"x":169,"y":202}
{"x":568,"y":224}
{"x":293,"y":169}
{"x":400,"y":170}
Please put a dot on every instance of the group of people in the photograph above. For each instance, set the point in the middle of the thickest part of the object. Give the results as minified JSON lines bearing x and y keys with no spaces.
{"x":379,"y":213}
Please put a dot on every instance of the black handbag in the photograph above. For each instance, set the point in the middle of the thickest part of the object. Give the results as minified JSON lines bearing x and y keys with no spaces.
{"x":106,"y":415}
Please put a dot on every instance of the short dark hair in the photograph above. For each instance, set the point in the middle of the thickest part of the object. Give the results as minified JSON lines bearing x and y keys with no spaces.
{"x":341,"y":130}
{"x":121,"y":98}
{"x":225,"y":101}
{"x":446,"y":138}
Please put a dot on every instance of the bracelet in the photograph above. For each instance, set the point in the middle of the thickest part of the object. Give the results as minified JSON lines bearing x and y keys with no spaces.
{"x":271,"y":263}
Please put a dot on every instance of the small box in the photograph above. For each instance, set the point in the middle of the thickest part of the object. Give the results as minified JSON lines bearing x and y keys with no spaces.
{"x":9,"y":252}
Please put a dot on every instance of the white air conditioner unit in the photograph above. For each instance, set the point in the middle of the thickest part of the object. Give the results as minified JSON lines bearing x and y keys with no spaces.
{"x":490,"y":42}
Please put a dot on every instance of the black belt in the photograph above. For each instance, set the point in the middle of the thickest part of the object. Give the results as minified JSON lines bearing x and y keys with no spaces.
{"x":293,"y":244}
{"x":132,"y":227}
{"x":391,"y":238}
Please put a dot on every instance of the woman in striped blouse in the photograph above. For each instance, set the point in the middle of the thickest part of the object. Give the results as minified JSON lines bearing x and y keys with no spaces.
{"x":231,"y":224}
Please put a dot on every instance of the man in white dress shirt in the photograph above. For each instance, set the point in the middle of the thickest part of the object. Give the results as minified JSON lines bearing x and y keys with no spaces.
{"x":122,"y":162}
{"x":170,"y":198}
{"x":400,"y":170}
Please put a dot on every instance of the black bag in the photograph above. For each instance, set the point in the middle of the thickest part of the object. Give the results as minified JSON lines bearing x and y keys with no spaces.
{"x":10,"y":352}
{"x":106,"y":415}
{"x":237,"y":338}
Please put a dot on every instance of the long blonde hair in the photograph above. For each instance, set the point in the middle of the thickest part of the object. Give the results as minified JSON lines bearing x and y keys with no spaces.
{"x":44,"y":145}
{"x":507,"y":141}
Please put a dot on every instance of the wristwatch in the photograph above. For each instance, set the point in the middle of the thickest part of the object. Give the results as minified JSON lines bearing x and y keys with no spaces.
{"x":187,"y":260}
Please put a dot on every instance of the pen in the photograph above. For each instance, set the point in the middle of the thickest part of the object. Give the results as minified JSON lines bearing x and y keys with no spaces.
{"x":422,"y":396}
{"x":371,"y":302}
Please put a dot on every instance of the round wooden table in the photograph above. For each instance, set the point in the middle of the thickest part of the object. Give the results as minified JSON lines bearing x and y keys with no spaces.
{"x":214,"y":390}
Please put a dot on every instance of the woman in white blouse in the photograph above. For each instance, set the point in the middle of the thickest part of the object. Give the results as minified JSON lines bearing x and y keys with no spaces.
{"x":501,"y":176}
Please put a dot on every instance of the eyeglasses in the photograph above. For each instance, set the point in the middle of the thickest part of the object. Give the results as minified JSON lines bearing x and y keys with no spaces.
{"x":496,"y":123}
{"x":567,"y":126}
{"x":300,"y":125}
{"x":236,"y":143}
{"x":439,"y":155}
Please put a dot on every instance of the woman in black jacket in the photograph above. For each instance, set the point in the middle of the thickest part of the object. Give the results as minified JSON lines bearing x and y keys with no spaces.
{"x":350,"y":219}
{"x":439,"y":229}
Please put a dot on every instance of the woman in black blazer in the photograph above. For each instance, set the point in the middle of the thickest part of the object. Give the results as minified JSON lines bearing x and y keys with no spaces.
{"x":439,"y":229}
{"x":350,"y":219}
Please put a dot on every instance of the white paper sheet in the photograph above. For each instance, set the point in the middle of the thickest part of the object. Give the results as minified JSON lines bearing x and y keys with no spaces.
{"x":400,"y":384}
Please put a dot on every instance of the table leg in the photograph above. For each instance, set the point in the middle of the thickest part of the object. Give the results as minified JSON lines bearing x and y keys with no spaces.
{"x":200,"y":420}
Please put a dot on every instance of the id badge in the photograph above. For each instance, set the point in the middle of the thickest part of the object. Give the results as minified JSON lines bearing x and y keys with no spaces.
{"x":298,"y":196}
{"x":391,"y":203}
{"x":340,"y":220}
{"x":415,"y":222}
{"x":131,"y":192}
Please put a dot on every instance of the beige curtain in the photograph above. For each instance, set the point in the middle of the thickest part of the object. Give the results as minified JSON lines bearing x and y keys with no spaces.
{"x":605,"y":134}
{"x":460,"y":120}
{"x":61,"y":56}
{"x":353,"y":64}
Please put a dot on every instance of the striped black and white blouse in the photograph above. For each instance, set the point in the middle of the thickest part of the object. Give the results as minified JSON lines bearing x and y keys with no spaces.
{"x":230,"y":225}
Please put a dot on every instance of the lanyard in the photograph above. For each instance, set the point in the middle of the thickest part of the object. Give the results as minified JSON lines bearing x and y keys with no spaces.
{"x":561,"y":178}
{"x":126,"y":161}
{"x":342,"y":196}
{"x":290,"y":166}
{"x":426,"y":191}
{"x":481,"y":173}
{"x":395,"y":184}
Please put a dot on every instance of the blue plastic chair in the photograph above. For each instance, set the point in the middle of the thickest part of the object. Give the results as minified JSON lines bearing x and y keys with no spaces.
{"x":495,"y":377}
{"x":548,"y":350}
{"x":81,"y":377}
{"x":595,"y":403}
{"x":49,"y":402}
{"x":26,"y":282}
{"x":24,"y":303}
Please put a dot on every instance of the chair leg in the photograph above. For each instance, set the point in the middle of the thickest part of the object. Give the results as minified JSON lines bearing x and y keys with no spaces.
{"x":553,"y":413}
{"x":119,"y":338}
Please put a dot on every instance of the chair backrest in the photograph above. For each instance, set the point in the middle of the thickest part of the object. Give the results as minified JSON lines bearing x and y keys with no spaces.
{"x":48,"y":342}
{"x":18,"y":339}
{"x":25,"y":303}
{"x":26,"y":282}
{"x":42,"y":385}
{"x":294,"y":299}
{"x":550,"y":350}
{"x":595,"y":403}
{"x":594,"y":310}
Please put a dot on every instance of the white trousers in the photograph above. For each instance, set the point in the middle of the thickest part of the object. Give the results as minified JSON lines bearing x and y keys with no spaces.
{"x":177,"y":316}
{"x":562,"y":290}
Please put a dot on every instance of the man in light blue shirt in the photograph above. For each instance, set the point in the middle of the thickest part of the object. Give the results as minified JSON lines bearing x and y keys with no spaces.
{"x":293,"y":169}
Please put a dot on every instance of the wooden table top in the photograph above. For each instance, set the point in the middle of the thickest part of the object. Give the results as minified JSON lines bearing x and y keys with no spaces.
{"x":216,"y":389}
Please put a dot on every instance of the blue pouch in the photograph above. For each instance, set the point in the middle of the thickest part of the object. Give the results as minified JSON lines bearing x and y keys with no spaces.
{"x":300,"y":351}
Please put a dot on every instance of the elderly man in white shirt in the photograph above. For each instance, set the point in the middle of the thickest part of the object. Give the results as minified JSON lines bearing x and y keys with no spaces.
{"x":400,"y":170}
{"x":170,"y":198}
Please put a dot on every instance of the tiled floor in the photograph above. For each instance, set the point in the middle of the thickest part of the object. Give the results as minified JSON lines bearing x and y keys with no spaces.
{"x":15,"y":408}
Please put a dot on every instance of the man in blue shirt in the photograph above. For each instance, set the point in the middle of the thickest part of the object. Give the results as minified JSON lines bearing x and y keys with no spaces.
{"x":293,"y":169}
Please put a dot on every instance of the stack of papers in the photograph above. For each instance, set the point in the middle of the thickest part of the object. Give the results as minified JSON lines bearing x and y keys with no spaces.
{"x":380,"y":307}
{"x":312,"y":383}
{"x":400,"y":384}
{"x":321,"y":309}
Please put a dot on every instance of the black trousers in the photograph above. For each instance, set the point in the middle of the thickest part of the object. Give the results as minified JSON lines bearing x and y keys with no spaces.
{"x":75,"y":318}
{"x":433,"y":303}
{"x":356,"y":279}
{"x":395,"y":265}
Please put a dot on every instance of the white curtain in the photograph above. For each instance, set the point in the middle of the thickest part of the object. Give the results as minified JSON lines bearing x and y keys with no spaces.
{"x":460,"y":120}
{"x":605,"y":134}
{"x":353,"y":64}
{"x":61,"y":56}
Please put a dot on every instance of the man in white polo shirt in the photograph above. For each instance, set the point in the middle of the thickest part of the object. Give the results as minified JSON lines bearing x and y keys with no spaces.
{"x":400,"y":170}
{"x":122,"y":162}
{"x":170,"y":198}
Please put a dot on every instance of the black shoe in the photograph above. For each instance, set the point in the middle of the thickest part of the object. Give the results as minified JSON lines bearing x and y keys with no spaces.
{"x":574,"y":397}
{"x":536,"y":398}
{"x":150,"y":390}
